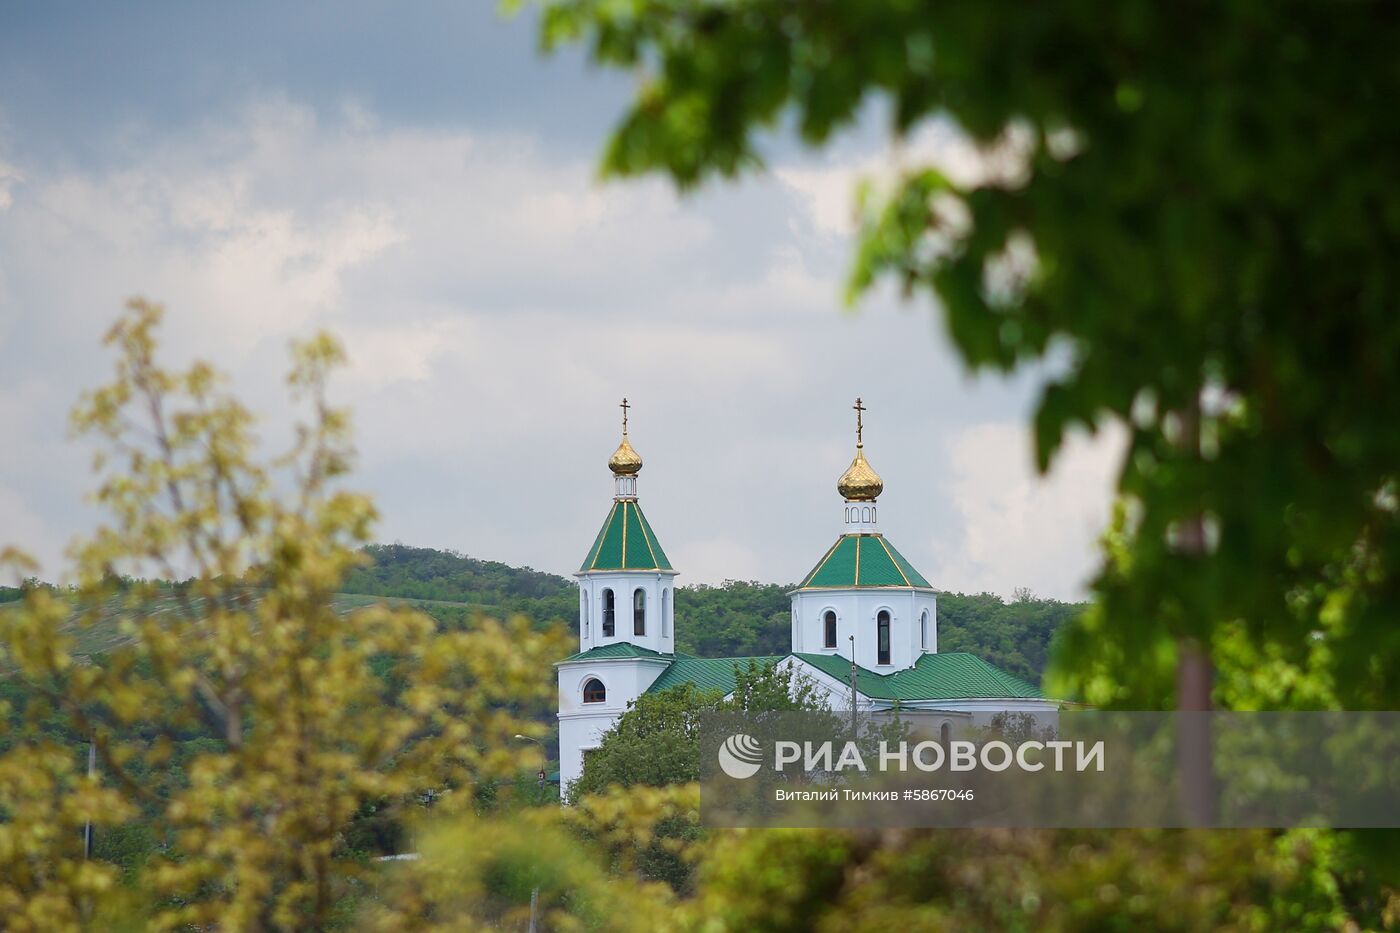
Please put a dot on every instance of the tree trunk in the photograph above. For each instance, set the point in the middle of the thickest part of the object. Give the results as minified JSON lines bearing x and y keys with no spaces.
{"x":1195,"y":757}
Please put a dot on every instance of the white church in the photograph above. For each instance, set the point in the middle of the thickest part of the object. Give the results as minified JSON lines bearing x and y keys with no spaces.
{"x":862,"y":601}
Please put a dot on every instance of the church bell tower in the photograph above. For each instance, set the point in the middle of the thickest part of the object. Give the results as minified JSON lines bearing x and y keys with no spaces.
{"x":863,"y":600}
{"x":626,"y":583}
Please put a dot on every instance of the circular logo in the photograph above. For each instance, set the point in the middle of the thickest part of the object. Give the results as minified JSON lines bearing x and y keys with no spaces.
{"x":740,"y":756}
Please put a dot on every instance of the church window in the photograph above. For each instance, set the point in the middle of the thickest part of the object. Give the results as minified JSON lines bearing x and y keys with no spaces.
{"x":608,"y":613}
{"x":882,"y":637}
{"x":594,"y":691}
{"x":666,"y":612}
{"x":585,"y":617}
{"x":923,"y":629}
{"x":639,"y":612}
{"x":829,"y":622}
{"x":945,"y":732}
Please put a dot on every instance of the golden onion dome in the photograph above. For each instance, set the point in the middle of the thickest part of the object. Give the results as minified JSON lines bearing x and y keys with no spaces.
{"x":860,"y":482}
{"x":625,"y":461}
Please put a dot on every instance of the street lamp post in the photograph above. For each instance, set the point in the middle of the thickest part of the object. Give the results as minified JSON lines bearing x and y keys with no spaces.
{"x":535,"y":892}
{"x":544,"y":756}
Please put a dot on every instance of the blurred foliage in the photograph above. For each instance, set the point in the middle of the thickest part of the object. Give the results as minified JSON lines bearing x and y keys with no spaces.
{"x":1176,"y":208}
{"x":1189,"y":217}
{"x":582,"y":865}
{"x":656,"y":743}
{"x":1041,"y":880}
{"x":292,"y":717}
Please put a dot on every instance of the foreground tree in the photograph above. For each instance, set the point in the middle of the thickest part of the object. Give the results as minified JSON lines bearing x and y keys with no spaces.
{"x":315,"y":713}
{"x":1196,"y":212}
{"x":656,"y":742}
{"x":1191,"y":213}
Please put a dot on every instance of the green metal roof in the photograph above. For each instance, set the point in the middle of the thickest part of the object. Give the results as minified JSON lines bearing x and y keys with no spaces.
{"x":620,"y":649}
{"x":952,"y":676}
{"x":705,"y":673}
{"x":868,"y":683}
{"x":862,"y":560}
{"x":959,"y":674}
{"x":626,"y":542}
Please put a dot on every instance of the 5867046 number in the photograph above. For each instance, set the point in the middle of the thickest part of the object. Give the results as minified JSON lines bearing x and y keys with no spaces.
{"x":938,"y":793}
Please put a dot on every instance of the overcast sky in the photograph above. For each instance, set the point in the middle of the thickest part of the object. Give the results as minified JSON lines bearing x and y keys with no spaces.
{"x":418,"y":180}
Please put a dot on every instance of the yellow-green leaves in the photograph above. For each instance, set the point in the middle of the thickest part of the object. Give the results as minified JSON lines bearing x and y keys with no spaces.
{"x":309,"y":714}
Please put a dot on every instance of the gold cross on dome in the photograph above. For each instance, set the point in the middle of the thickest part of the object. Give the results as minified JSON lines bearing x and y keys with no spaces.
{"x":859,"y":427}
{"x":624,"y":406}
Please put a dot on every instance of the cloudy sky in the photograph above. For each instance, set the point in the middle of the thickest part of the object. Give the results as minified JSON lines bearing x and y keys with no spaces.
{"x":418,"y":180}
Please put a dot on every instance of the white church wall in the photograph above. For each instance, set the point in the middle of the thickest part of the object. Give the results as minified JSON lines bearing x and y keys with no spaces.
{"x":836,"y":693}
{"x":581,"y":725}
{"x":857,"y":613}
{"x":659,"y":587}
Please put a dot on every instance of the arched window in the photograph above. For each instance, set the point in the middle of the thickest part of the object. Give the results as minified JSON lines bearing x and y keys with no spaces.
{"x":923,"y":629}
{"x":608,"y":613}
{"x":585,"y":617}
{"x":829,"y":623}
{"x":945,"y":732}
{"x":594,"y":691}
{"x":666,"y":611}
{"x":639,"y":612}
{"x":882,"y":637}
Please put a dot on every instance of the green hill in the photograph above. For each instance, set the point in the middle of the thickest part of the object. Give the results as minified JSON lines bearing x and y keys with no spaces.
{"x":736,"y":618}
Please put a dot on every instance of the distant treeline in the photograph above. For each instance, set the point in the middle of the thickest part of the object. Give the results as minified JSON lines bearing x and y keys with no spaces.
{"x":734,"y":619}
{"x":447,"y":576}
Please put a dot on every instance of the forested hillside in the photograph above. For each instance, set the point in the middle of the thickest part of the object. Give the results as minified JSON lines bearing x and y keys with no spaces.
{"x":735,"y":619}
{"x":446,"y":576}
{"x":732,"y":620}
{"x":1015,"y":635}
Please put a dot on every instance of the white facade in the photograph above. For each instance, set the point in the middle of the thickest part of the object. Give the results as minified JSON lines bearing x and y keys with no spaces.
{"x":654,"y":627}
{"x":582,"y":721}
{"x":912,"y":616}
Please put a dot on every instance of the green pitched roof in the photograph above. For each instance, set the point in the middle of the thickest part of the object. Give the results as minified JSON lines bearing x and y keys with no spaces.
{"x":959,"y":674}
{"x":626,"y":542}
{"x":862,"y":560}
{"x":620,"y":649}
{"x":705,"y":673}
{"x":952,"y":676}
{"x":868,"y":683}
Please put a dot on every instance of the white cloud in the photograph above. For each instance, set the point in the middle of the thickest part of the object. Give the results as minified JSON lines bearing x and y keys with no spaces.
{"x":496,"y":302}
{"x":9,"y":178}
{"x":1018,"y":526}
